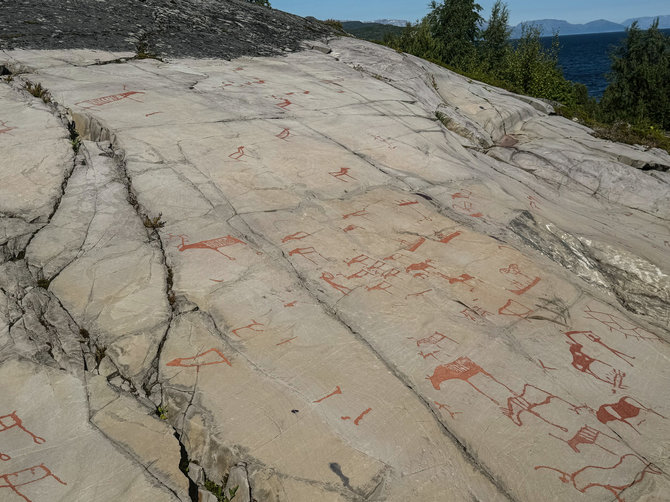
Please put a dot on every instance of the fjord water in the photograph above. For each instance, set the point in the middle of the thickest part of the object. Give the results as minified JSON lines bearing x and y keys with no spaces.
{"x":585,"y":58}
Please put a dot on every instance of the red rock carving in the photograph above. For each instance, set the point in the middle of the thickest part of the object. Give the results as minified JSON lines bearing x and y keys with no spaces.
{"x":292,"y":304}
{"x":419,"y":268}
{"x":418,"y":294}
{"x":330,"y":279}
{"x":284,"y":103}
{"x":238,"y":154}
{"x":463,"y":205}
{"x":622,"y":411}
{"x":152,"y":113}
{"x":586,"y":435}
{"x":382,"y":286}
{"x":515,"y":309}
{"x":361,"y":212}
{"x":594,"y":367}
{"x":530,"y":398}
{"x":463,"y":278}
{"x":358,"y":419}
{"x":441,"y":406}
{"x":295,"y":237}
{"x":207,"y":358}
{"x":593,"y":476}
{"x":213,"y":244}
{"x":25,"y":477}
{"x":9,"y":422}
{"x":475,"y":310}
{"x":341,"y":174}
{"x":4,"y":128}
{"x":413,"y":246}
{"x":284,"y":134}
{"x":533,"y":202}
{"x":252,"y":327}
{"x":430,"y":354}
{"x":352,"y":227}
{"x":620,"y":325}
{"x":462,"y":369}
{"x":402,"y":203}
{"x":304,"y":252}
{"x":288,"y":340}
{"x":434,"y":339}
{"x":104,"y":100}
{"x":448,"y":238}
{"x":336,"y":392}
{"x":542,"y":365}
{"x":519,"y":280}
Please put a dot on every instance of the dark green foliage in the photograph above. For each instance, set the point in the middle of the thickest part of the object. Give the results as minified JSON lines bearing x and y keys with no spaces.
{"x":639,"y":89}
{"x":635,"y":108}
{"x":334,"y":23}
{"x":454,"y":25}
{"x":494,"y":46}
{"x":370,"y":31}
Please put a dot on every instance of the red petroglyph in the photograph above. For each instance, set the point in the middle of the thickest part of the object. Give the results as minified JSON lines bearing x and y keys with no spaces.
{"x":462,"y":369}
{"x":105,"y":100}
{"x":4,"y":128}
{"x":430,"y":354}
{"x":393,"y":257}
{"x":521,"y":282}
{"x":448,"y":238}
{"x":463,"y":279}
{"x":533,"y":202}
{"x":515,"y":309}
{"x":441,"y":406}
{"x":304,"y":252}
{"x":593,"y":476}
{"x":413,"y":246}
{"x":337,"y":391}
{"x":238,"y":69}
{"x":292,"y":304}
{"x":463,"y":205}
{"x":402,"y":203}
{"x":542,"y":365}
{"x":433,"y":339}
{"x":352,"y":227}
{"x":252,"y":327}
{"x":530,"y":398}
{"x":152,"y":113}
{"x":213,"y":244}
{"x":622,"y":411}
{"x":284,"y":103}
{"x":361,"y":258}
{"x":341,"y":174}
{"x":382,"y":286}
{"x":238,"y":154}
{"x":361,"y":212}
{"x":358,"y":419}
{"x":25,"y":477}
{"x":288,"y":340}
{"x":418,"y":294}
{"x":620,"y":325}
{"x":594,"y":367}
{"x":586,"y":435}
{"x":295,"y":237}
{"x":207,"y":358}
{"x":12,"y":420}
{"x":419,"y":268}
{"x":330,"y":279}
{"x":217,"y":280}
{"x":284,"y":134}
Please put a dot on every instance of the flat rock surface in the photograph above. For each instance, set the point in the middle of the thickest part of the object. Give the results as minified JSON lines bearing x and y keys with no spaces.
{"x":344,"y":276}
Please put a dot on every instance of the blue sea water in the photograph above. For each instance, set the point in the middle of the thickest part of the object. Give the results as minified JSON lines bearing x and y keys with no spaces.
{"x":585,"y":58}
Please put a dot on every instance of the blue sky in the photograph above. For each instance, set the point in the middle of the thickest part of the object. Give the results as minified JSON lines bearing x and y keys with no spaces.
{"x":574,"y":11}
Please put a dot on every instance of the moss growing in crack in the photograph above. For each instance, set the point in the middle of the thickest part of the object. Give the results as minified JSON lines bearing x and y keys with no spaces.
{"x":43,"y":283}
{"x":446,"y":121}
{"x":143,"y":48}
{"x":75,"y":139}
{"x":162,"y":413}
{"x":100,"y":354}
{"x":154,"y":223}
{"x":219,"y":491}
{"x":38,"y":91}
{"x":85,"y":335}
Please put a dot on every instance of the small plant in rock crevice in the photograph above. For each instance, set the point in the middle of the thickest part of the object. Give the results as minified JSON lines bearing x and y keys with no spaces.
{"x":162,"y":412}
{"x":38,"y":91}
{"x":219,"y":491}
{"x":154,"y":223}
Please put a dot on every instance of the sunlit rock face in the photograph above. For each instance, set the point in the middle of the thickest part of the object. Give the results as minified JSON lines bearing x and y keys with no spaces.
{"x":342,"y":274}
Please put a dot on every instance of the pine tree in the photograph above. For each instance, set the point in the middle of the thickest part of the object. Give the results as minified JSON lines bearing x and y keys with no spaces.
{"x":495,"y":38}
{"x":454,"y":25}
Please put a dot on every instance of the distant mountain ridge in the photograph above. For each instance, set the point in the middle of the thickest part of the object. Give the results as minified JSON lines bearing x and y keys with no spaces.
{"x":549,"y":26}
